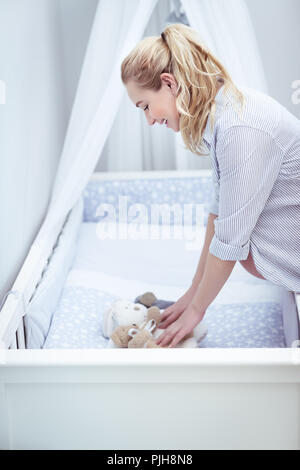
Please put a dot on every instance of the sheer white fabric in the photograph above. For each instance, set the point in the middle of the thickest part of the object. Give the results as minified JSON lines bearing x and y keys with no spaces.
{"x":117,"y":27}
{"x":97,"y":100}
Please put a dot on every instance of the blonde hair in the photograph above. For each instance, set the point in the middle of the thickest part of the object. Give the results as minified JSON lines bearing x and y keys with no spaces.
{"x":180,"y":52}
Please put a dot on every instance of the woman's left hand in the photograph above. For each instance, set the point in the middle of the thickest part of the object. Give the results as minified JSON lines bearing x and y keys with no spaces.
{"x":175,"y":332}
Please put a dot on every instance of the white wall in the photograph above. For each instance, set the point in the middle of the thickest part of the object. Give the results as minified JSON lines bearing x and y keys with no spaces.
{"x":40,"y":70}
{"x":277,"y":28}
{"x":76,"y":19}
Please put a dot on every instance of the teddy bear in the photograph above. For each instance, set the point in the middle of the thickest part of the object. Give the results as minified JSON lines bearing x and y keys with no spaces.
{"x":127,"y":314}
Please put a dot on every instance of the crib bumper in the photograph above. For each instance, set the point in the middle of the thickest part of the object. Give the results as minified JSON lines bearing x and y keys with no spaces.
{"x":40,"y":310}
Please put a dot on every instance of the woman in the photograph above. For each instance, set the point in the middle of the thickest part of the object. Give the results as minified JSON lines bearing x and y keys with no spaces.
{"x":254,"y":144}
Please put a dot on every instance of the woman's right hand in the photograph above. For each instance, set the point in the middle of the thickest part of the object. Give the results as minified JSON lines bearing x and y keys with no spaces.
{"x":174,"y":311}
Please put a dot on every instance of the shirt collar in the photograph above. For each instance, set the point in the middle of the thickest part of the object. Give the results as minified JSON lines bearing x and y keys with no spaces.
{"x":208,"y":132}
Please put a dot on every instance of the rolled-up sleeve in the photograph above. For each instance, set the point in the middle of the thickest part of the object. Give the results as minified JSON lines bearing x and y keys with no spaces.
{"x":249,"y":162}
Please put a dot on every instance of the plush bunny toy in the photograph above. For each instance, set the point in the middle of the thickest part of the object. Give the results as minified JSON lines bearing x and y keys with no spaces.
{"x":122,"y":313}
{"x":138,"y":336}
{"x":130,"y":315}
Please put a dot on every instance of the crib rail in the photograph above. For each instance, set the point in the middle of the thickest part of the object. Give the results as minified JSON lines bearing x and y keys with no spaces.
{"x":12,"y":327}
{"x":16,"y":301}
{"x":297,"y":301}
{"x":149,"y":174}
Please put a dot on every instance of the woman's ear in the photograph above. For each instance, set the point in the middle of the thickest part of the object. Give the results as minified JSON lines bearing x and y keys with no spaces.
{"x":169,"y":80}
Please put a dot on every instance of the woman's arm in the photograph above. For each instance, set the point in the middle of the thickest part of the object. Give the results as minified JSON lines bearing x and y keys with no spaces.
{"x":175,"y":310}
{"x":210,"y":231}
{"x":215,"y":275}
{"x":211,"y":275}
{"x":212,"y":272}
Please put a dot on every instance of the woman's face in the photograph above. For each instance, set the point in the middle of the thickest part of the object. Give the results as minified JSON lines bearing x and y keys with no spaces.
{"x":158,"y":106}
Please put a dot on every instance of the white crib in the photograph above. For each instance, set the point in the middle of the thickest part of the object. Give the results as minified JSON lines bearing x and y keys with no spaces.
{"x":150,"y":399}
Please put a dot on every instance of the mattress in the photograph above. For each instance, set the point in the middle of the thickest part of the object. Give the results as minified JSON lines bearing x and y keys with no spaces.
{"x":246,"y":313}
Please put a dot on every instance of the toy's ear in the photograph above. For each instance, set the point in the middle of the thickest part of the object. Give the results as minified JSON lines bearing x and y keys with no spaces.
{"x":154,"y":313}
{"x":108,"y":323}
{"x":150,"y":326}
{"x":132,"y":332}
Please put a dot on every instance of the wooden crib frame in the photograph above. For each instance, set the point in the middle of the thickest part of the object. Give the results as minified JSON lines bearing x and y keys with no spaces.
{"x":156,"y":399}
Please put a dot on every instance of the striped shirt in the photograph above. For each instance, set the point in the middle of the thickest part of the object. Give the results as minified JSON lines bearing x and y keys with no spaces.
{"x":255,"y":159}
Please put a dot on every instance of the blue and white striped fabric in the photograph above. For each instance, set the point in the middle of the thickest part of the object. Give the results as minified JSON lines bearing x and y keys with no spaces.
{"x":255,"y":156}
